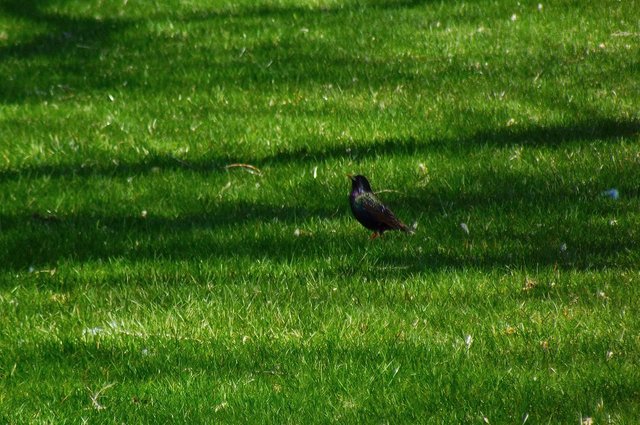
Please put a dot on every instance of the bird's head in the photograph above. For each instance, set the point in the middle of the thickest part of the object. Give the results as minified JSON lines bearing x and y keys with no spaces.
{"x":359,"y":183}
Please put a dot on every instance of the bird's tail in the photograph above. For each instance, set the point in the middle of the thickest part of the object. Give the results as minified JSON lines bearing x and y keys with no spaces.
{"x":410,"y":229}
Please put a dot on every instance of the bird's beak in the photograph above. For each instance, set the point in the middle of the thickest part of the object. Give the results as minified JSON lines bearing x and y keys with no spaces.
{"x":350,"y":176}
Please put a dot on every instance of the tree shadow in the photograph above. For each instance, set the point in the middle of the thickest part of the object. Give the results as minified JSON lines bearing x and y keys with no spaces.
{"x":81,"y":238}
{"x":512,"y":227}
{"x":74,"y":46}
{"x":536,"y":205}
{"x":79,"y":55}
{"x":63,"y":32}
{"x":601,"y":130}
{"x":287,"y":11}
{"x":71,"y":46}
{"x":74,"y":54}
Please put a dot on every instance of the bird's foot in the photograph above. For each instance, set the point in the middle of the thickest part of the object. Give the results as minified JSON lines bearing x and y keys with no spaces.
{"x":374,"y":235}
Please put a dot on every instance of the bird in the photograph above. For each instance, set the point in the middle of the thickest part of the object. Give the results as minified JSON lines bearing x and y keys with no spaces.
{"x":370,"y":211}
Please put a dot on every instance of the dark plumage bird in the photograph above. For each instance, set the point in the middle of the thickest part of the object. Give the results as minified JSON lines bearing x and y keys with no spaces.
{"x":370,"y":211}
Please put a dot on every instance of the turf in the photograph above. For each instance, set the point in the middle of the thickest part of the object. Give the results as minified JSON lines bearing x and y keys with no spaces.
{"x":144,"y":280}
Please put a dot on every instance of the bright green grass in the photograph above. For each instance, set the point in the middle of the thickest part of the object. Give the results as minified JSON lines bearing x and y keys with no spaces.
{"x":143,"y":282}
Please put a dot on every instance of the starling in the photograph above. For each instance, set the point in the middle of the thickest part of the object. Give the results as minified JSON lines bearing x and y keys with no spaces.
{"x":370,"y":211}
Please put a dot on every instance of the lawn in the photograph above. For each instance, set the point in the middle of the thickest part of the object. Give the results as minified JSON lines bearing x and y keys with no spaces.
{"x":176,"y":244}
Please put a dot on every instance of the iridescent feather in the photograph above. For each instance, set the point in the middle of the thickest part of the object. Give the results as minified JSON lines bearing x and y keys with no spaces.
{"x":370,"y":211}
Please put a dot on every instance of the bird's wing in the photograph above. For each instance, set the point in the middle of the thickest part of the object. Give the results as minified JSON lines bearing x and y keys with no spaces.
{"x":372,"y":205}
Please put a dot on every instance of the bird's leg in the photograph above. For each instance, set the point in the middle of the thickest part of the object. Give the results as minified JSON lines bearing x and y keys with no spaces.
{"x":374,"y":235}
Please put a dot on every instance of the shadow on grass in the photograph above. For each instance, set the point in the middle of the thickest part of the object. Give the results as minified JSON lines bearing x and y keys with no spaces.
{"x":95,"y":235}
{"x":71,"y":46}
{"x":273,"y":11}
{"x":531,"y":212}
{"x":79,"y":55}
{"x":73,"y":55}
{"x":603,"y":130}
{"x":63,"y":32}
{"x":243,"y":231}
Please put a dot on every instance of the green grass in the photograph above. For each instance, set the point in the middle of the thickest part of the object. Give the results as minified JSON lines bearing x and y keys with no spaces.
{"x":142,"y":281}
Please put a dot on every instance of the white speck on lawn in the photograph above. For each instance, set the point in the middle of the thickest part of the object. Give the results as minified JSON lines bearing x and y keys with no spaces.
{"x":468,"y":340}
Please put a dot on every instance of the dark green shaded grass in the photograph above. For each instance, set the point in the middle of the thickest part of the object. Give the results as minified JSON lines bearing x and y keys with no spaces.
{"x":143,"y":281}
